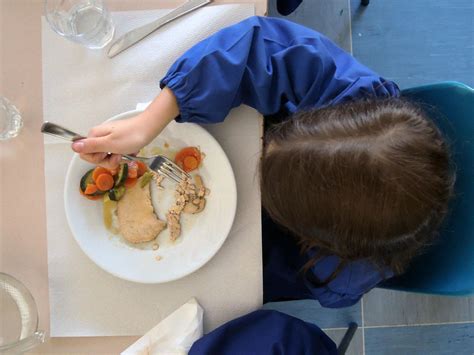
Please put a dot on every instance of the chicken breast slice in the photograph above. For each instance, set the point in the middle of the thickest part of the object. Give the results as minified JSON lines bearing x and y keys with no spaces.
{"x":138,"y":222}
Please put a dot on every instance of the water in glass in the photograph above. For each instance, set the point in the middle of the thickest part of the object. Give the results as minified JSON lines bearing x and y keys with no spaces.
{"x":87,"y":22}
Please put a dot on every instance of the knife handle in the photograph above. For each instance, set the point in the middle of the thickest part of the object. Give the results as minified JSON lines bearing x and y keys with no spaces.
{"x":179,"y":11}
{"x":141,"y":32}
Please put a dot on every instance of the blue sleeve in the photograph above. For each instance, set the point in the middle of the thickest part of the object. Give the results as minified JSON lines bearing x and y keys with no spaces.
{"x":265,"y":332}
{"x":351,"y":283}
{"x":267,"y":64}
{"x":332,"y":299}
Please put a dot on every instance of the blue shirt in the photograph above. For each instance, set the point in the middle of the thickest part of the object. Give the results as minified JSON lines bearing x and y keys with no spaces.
{"x":265,"y":332}
{"x":278,"y":67}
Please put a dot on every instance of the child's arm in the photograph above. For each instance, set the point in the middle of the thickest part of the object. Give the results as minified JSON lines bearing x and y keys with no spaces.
{"x":267,"y":64}
{"x":261,"y":62}
{"x":130,"y":135}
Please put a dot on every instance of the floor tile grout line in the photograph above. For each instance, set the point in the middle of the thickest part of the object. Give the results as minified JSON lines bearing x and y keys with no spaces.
{"x":351,"y":48}
{"x":416,"y":325}
{"x":400,"y":325}
{"x":363,"y":324}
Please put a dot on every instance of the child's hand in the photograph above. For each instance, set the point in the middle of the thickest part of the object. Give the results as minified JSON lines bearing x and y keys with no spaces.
{"x":118,"y":137}
{"x":127,"y":136}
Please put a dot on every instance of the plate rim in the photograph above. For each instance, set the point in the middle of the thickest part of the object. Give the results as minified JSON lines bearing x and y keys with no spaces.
{"x":66,"y":197}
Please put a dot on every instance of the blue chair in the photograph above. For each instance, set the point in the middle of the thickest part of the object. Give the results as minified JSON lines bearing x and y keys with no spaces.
{"x":447,"y":268}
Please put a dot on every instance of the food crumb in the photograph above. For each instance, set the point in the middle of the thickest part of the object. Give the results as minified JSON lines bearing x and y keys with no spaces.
{"x":155,"y":246}
{"x":158,"y":179}
{"x":166,"y":145}
{"x":158,"y":258}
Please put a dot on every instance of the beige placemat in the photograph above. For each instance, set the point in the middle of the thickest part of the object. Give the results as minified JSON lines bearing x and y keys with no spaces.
{"x":83,"y":88}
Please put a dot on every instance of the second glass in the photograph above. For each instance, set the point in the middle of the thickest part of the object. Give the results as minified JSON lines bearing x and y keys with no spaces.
{"x":87,"y":22}
{"x":10,"y":119}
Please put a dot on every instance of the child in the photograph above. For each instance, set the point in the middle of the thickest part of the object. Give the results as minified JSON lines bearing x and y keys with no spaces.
{"x":357,"y":179}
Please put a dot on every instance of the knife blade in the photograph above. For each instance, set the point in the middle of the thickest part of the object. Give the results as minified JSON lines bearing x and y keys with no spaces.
{"x":134,"y":36}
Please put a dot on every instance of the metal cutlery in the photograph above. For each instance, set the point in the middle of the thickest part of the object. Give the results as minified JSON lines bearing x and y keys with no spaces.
{"x":132,"y":37}
{"x":158,"y":163}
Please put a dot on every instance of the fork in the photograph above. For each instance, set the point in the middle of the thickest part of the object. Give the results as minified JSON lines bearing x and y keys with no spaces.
{"x":158,"y":163}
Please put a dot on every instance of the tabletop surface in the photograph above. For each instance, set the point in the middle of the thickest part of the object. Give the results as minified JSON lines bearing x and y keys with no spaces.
{"x":23,"y":248}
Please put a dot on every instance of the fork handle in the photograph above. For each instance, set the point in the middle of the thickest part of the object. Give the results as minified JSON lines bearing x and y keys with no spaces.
{"x":58,"y":131}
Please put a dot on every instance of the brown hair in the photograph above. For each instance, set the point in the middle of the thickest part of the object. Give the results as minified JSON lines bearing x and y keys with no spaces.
{"x":361,"y":180}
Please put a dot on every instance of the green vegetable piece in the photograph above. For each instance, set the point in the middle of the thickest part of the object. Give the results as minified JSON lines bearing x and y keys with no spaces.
{"x":86,"y":179}
{"x":146,"y":178}
{"x":121,"y":175}
{"x":117,"y":193}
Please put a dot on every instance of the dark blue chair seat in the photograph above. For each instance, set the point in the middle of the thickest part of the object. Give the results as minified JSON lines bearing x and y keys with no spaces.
{"x":447,"y":268}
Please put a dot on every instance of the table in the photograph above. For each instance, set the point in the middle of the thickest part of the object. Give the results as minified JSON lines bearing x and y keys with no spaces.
{"x":22,"y":216}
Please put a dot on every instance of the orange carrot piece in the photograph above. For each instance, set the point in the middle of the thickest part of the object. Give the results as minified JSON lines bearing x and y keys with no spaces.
{"x":90,"y":189}
{"x":96,"y":197}
{"x":105,"y":182}
{"x":130,"y":182}
{"x":132,"y":173}
{"x":142,"y":168}
{"x":190,"y":163}
{"x":185,"y":153}
{"x":99,"y":170}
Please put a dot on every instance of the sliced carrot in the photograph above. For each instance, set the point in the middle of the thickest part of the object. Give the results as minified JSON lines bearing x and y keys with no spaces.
{"x":188,"y":152}
{"x":90,"y":197}
{"x":190,"y":163}
{"x":142,"y":168}
{"x":130,"y":182}
{"x":132,"y":173}
{"x":99,"y":170}
{"x":90,"y":189}
{"x":104,"y":182}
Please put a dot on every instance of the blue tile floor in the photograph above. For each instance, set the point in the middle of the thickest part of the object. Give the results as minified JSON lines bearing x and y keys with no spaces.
{"x":412,"y":43}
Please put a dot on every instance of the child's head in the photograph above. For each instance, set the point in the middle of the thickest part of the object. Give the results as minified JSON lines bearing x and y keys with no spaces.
{"x":368,"y":179}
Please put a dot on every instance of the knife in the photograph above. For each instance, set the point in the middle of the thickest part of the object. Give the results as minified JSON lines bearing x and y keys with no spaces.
{"x":132,"y":37}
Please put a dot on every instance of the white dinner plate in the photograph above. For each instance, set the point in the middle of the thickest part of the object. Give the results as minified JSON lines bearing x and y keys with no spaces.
{"x":202,"y":234}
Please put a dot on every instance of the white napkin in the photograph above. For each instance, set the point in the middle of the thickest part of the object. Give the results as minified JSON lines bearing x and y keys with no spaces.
{"x":173,"y":335}
{"x":82,"y":88}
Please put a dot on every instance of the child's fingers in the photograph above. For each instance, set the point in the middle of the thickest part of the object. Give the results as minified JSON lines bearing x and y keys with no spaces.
{"x":103,"y":159}
{"x":91,"y":145}
{"x":95,"y":158}
{"x":99,"y":131}
{"x":112,"y":161}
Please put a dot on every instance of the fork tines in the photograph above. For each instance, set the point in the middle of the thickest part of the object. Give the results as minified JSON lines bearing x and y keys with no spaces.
{"x":176,"y":169}
{"x":170,"y":170}
{"x":167,"y":170}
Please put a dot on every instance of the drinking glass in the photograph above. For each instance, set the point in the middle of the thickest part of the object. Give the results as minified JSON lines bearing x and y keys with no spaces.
{"x":86,"y":22}
{"x":18,"y":317}
{"x":10,"y":119}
